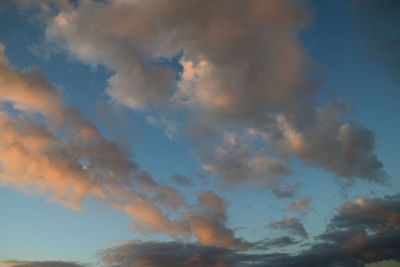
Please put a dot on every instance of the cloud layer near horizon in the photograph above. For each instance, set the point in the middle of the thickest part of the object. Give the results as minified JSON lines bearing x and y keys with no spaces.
{"x":353,"y":238}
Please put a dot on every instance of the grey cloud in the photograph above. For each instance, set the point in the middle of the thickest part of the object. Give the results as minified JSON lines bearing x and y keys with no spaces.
{"x":243,"y":68}
{"x":276,"y":242}
{"x":235,"y":161}
{"x":170,"y":198}
{"x":324,"y":141}
{"x":328,"y":254}
{"x":291,"y":224}
{"x":331,"y":253}
{"x":67,"y":158}
{"x":224,"y":59}
{"x":347,"y":244}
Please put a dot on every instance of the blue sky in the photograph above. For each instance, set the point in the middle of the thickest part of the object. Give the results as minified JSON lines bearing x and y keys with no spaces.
{"x":259,"y":107}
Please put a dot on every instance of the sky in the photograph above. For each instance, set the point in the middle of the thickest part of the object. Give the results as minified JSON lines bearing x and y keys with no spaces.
{"x":199,"y":133}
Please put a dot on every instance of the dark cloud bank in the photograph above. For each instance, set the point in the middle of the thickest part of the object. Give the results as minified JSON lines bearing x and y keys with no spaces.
{"x":362,"y":232}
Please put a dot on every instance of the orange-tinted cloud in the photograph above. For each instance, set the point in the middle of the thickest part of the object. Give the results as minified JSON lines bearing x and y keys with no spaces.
{"x":302,"y":205}
{"x":208,"y":223}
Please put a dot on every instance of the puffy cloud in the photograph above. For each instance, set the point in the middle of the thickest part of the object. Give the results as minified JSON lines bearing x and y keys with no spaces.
{"x":378,"y":23}
{"x":40,"y":264}
{"x":235,"y":161}
{"x":170,"y":198}
{"x":302,"y":205}
{"x":242,"y":66}
{"x":137,"y":253}
{"x":292,"y":224}
{"x":208,"y":223}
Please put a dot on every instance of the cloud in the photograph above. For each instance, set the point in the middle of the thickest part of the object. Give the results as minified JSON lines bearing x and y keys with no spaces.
{"x":242,"y":69}
{"x":181,"y":180}
{"x":302,"y":205}
{"x":68,"y":158}
{"x":235,"y":161}
{"x":341,"y":245}
{"x":291,"y":224}
{"x":276,"y":242}
{"x":170,"y":198}
{"x":377,"y":214}
{"x":77,"y":162}
{"x":40,"y":264}
{"x":31,"y":91}
{"x":209,"y":37}
{"x":164,"y":254}
{"x":208,"y":223}
{"x":137,"y":253}
{"x":324,"y":141}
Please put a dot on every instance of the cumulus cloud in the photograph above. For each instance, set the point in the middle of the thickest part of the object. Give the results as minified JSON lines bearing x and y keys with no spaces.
{"x":137,"y":253}
{"x":66,"y":157}
{"x":291,"y":224}
{"x":242,"y":66}
{"x":285,"y":190}
{"x":211,"y":37}
{"x":302,"y":205}
{"x":75,"y":162}
{"x":377,"y":214}
{"x":208,"y":223}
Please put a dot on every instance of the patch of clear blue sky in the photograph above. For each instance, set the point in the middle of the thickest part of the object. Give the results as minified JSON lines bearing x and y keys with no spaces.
{"x":32,"y":229}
